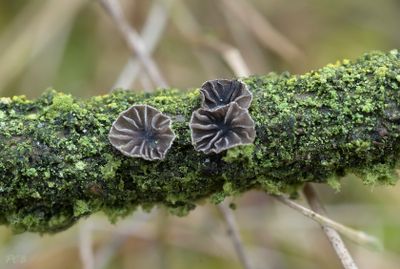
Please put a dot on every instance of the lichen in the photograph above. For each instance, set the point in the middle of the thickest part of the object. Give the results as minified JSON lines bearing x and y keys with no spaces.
{"x":243,"y":153}
{"x":57,"y":165}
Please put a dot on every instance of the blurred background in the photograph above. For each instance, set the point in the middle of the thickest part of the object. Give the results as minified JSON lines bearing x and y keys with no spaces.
{"x":76,"y":46}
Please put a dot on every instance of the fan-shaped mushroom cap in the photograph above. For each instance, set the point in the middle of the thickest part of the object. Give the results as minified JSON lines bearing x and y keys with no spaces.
{"x":221,"y":92}
{"x":222,"y":128}
{"x":142,"y":131}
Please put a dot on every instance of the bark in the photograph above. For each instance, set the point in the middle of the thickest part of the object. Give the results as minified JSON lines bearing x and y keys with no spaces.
{"x":57,"y":165}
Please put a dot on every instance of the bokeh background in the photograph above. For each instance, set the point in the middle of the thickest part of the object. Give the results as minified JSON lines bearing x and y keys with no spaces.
{"x":74,"y":46}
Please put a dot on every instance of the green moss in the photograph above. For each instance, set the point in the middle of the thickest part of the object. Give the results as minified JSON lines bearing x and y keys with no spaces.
{"x":62,"y":103}
{"x":334,"y":182}
{"x":241,"y":153}
{"x":80,"y":165}
{"x":109,"y":169}
{"x":31,"y":172}
{"x":379,"y":172}
{"x":57,"y":165}
{"x":81,"y":208}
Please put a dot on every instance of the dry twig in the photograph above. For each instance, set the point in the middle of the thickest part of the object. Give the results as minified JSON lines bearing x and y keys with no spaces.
{"x":85,"y":246}
{"x":33,"y":34}
{"x":104,"y":255}
{"x":263,"y":30}
{"x":333,"y":236}
{"x":190,"y":28}
{"x":151,"y":34}
{"x":133,"y":40}
{"x":233,"y":233}
{"x":358,"y":237}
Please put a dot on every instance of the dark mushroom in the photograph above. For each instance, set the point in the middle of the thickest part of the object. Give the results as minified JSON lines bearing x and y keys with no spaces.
{"x":221,"y":92}
{"x":214,"y":131}
{"x":142,"y":131}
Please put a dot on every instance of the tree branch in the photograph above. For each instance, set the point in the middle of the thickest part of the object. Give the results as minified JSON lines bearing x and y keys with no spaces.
{"x":233,"y":233}
{"x":153,"y":29}
{"x":133,"y":39}
{"x":358,"y":237}
{"x":57,"y":165}
{"x":334,"y":238}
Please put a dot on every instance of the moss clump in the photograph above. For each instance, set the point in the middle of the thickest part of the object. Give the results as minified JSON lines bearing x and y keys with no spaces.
{"x":56,"y":164}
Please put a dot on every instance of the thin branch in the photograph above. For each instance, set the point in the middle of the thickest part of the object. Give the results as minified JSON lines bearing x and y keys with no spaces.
{"x":35,"y":34}
{"x":263,"y":30}
{"x":333,"y":236}
{"x":191,"y":29}
{"x":161,"y":246}
{"x":151,"y":35}
{"x":233,"y":233}
{"x":85,"y":246}
{"x":234,"y":58}
{"x":105,"y":254}
{"x":358,"y":237}
{"x":133,"y":40}
{"x":230,"y":54}
{"x":144,"y":80}
{"x":246,"y":42}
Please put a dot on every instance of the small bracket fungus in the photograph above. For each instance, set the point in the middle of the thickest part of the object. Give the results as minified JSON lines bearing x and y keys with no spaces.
{"x":222,"y":128}
{"x":142,"y":131}
{"x":221,"y":92}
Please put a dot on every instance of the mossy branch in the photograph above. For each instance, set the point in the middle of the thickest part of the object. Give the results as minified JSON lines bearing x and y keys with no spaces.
{"x":56,"y":164}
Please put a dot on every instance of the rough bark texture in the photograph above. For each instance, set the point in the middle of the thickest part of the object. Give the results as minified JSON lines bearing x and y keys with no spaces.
{"x":57,"y":165}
